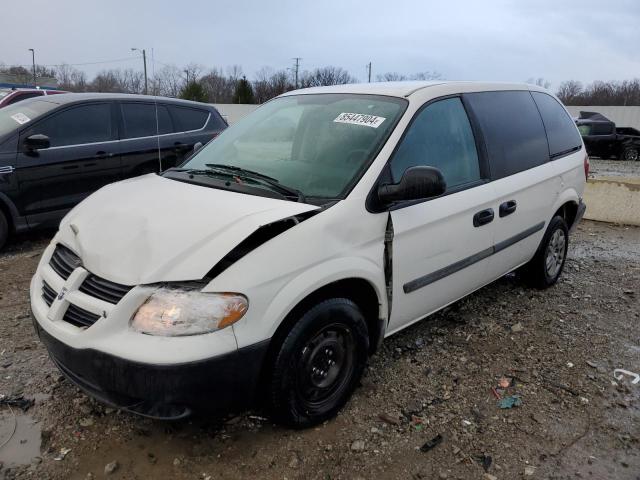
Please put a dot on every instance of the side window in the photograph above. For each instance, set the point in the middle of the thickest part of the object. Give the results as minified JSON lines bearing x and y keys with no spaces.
{"x":76,"y":125}
{"x":602,"y":128}
{"x":440,"y":136}
{"x":140,"y":120}
{"x":561,"y":131}
{"x":189,"y":118}
{"x":512,"y":129}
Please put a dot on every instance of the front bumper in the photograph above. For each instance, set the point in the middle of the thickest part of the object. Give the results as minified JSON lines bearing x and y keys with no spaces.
{"x":221,"y":384}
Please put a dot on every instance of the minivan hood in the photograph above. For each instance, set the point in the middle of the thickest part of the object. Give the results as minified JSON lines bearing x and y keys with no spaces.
{"x":151,"y":229}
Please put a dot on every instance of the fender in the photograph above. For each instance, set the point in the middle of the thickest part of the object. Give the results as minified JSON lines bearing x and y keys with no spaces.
{"x":19,"y":223}
{"x":308,"y":281}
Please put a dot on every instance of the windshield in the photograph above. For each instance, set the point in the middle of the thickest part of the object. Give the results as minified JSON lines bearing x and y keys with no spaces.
{"x":316,"y":144}
{"x":22,"y":113}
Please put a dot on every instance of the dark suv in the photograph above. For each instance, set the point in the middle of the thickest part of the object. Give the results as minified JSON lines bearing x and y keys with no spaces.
{"x":56,"y":150}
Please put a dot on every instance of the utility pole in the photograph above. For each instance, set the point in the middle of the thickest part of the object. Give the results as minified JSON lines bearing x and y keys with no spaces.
{"x":369,"y":70}
{"x":144,"y":60}
{"x":296,"y":68}
{"x":33,"y":61}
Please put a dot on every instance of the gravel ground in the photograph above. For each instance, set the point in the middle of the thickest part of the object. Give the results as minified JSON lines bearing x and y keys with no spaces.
{"x":613,"y":168}
{"x":430,"y":385}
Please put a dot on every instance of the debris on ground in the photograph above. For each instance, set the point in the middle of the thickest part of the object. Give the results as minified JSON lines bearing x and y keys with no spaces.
{"x":620,"y":373}
{"x":510,"y":402}
{"x":431,"y":444}
{"x":111,"y":467}
{"x":18,"y":401}
{"x":61,"y":454}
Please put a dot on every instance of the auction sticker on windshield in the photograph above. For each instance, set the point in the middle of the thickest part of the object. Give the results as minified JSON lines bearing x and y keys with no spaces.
{"x":360,"y":119}
{"x":21,"y":118}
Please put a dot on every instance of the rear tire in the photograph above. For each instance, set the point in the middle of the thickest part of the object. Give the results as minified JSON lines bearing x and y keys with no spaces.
{"x":544,"y":269}
{"x":319,"y":364}
{"x":631,"y":154}
{"x":4,"y":229}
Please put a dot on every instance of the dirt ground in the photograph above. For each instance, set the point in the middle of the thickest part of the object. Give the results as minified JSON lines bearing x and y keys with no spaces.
{"x":434,"y":380}
{"x":613,"y":168}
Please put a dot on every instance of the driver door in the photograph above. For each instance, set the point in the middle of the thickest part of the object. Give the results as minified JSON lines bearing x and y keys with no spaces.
{"x":441,"y":247}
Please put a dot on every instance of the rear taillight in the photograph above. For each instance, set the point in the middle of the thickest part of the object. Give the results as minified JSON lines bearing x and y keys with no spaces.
{"x":586,"y":166}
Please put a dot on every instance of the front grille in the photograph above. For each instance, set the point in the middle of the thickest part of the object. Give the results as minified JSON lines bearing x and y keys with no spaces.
{"x":48,"y":293}
{"x":79,"y":317}
{"x":64,"y":261}
{"x":104,"y":289}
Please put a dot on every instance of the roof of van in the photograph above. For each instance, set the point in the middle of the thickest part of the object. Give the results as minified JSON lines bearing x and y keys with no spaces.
{"x":404,"y":89}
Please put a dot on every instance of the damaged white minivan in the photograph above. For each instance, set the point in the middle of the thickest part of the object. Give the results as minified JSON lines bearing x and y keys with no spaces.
{"x":273,"y":262}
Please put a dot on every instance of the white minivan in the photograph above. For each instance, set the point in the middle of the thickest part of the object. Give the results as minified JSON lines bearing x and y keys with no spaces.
{"x":273,"y":262}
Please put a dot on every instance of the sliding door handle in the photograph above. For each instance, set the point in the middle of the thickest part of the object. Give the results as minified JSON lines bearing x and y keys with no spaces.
{"x":507,"y":208}
{"x":483,"y":217}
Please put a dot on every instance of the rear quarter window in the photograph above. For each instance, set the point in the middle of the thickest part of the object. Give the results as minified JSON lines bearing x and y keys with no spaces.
{"x":188,"y":119}
{"x":512,"y":129}
{"x":561,"y":131}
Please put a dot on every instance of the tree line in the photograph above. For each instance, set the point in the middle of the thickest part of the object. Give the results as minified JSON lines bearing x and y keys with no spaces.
{"x":231,"y":85}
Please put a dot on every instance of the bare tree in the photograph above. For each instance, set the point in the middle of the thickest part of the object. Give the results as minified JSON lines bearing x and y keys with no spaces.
{"x":391,"y":77}
{"x":71,"y":79}
{"x":168,"y":81}
{"x":219,"y":87}
{"x":541,"y":82}
{"x":399,"y":77}
{"x":270,"y":83}
{"x":326,"y":76}
{"x":569,"y":91}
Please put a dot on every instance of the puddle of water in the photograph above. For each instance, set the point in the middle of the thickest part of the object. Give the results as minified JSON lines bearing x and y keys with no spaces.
{"x":24,"y":445}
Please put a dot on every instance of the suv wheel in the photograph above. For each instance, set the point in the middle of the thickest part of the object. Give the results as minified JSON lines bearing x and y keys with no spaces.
{"x":630,"y":153}
{"x":4,"y":229}
{"x":544,"y":269}
{"x":319,"y":364}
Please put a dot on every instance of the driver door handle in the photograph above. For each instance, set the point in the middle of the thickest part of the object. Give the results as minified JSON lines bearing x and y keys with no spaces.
{"x":483,"y":217}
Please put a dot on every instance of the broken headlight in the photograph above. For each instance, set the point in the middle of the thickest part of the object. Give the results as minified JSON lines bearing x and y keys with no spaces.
{"x":175,"y":312}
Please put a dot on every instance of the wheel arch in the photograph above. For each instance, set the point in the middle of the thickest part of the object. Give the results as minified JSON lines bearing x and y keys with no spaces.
{"x":360,"y":290}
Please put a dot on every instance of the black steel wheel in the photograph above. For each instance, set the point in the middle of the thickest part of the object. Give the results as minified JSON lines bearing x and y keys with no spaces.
{"x":319,"y":364}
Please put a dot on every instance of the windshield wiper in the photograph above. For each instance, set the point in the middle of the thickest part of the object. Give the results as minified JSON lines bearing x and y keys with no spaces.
{"x":272,"y":182}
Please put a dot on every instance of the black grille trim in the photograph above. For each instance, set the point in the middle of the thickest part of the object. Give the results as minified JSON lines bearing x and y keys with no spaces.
{"x":79,"y":316}
{"x":64,"y":261}
{"x":106,"y":290}
{"x":48,"y":293}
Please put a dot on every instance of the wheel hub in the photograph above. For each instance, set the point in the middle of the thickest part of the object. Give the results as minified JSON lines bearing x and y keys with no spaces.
{"x":555,"y":253}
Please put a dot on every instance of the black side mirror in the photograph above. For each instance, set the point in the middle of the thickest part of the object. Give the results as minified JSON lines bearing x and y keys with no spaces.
{"x":36,"y":142}
{"x":417,"y":183}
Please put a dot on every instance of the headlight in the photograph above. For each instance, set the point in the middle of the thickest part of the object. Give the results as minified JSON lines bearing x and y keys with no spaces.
{"x":177,"y":312}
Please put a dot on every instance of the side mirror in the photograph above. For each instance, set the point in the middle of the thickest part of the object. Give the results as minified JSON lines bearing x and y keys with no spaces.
{"x":417,"y":183}
{"x":197,"y":147}
{"x":36,"y":142}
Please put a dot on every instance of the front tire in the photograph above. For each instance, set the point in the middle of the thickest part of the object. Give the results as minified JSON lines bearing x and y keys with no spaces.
{"x":319,"y":364}
{"x":4,"y":229}
{"x":544,"y":269}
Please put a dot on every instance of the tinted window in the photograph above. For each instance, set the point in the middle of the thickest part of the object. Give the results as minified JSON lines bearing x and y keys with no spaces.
{"x":23,"y":96}
{"x":602,"y":129}
{"x":77,"y":125}
{"x":561,"y":131}
{"x":189,"y":118}
{"x":440,"y":136}
{"x":140,"y":120}
{"x":512,"y":129}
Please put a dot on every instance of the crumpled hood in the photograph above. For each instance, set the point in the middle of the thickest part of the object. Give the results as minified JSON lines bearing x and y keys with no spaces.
{"x":150,"y":229}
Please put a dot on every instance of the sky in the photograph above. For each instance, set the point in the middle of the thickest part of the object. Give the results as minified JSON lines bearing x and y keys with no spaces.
{"x":497,"y":40}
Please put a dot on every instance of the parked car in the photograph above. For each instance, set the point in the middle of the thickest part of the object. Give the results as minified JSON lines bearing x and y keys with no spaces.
{"x":276,"y":259}
{"x":55,"y":151}
{"x":603,"y":139}
{"x":9,"y":96}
